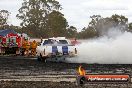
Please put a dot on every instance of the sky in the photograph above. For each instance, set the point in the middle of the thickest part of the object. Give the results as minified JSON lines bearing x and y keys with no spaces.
{"x":77,"y":12}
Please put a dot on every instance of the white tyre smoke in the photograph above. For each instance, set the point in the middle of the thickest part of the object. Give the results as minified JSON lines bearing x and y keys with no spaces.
{"x":106,"y":50}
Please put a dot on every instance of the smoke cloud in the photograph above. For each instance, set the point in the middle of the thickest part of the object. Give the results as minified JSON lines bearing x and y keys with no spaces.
{"x":113,"y":48}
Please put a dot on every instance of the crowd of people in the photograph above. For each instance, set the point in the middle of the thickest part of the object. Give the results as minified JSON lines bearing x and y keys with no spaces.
{"x":29,"y":48}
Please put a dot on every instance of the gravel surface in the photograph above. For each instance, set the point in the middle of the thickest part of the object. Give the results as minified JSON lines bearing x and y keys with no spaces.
{"x":25,"y":72}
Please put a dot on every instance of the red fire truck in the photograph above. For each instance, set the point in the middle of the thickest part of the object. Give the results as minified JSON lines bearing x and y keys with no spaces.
{"x":10,"y":41}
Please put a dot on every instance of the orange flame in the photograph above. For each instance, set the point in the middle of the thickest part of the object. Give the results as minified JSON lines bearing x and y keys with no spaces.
{"x":81,"y":71}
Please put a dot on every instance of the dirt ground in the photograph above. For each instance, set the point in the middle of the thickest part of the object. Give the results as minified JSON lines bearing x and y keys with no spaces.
{"x":25,"y":72}
{"x":42,"y":84}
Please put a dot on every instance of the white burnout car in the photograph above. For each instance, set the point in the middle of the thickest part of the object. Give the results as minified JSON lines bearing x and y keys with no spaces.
{"x":55,"y":49}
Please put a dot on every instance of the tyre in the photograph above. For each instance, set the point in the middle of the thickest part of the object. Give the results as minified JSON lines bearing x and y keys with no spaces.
{"x":38,"y":58}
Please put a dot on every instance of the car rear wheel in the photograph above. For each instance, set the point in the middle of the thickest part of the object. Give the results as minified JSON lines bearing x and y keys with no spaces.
{"x":41,"y":58}
{"x":38,"y":58}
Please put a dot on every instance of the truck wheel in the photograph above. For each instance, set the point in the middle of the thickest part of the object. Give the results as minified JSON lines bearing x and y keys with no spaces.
{"x":43,"y":59}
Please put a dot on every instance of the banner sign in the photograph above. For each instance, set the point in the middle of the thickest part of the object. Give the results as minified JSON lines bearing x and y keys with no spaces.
{"x":107,"y":78}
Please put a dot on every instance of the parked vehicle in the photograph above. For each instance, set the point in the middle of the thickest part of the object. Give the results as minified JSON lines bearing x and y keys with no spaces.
{"x":11,"y":41}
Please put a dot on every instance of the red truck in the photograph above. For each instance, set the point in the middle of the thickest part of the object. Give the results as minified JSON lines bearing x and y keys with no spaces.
{"x":10,"y":41}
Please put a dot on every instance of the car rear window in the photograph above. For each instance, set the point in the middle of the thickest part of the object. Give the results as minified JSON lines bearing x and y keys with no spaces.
{"x":63,"y":42}
{"x":47,"y":42}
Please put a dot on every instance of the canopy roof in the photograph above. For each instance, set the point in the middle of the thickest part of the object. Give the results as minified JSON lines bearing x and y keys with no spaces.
{"x":6,"y":31}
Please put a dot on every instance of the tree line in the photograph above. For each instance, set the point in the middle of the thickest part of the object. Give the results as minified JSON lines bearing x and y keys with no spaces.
{"x":42,"y":18}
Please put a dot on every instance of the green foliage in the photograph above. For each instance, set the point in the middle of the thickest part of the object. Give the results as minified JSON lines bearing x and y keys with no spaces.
{"x":41,"y":18}
{"x":87,"y":33}
{"x":91,"y":30}
{"x":94,"y":21}
{"x":130,"y":27}
{"x":33,"y":14}
{"x":98,"y":26}
{"x":15,"y":28}
{"x":72,"y":32}
{"x":105,"y":24}
{"x":4,"y":14}
{"x":56,"y":24}
{"x":119,"y":19}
